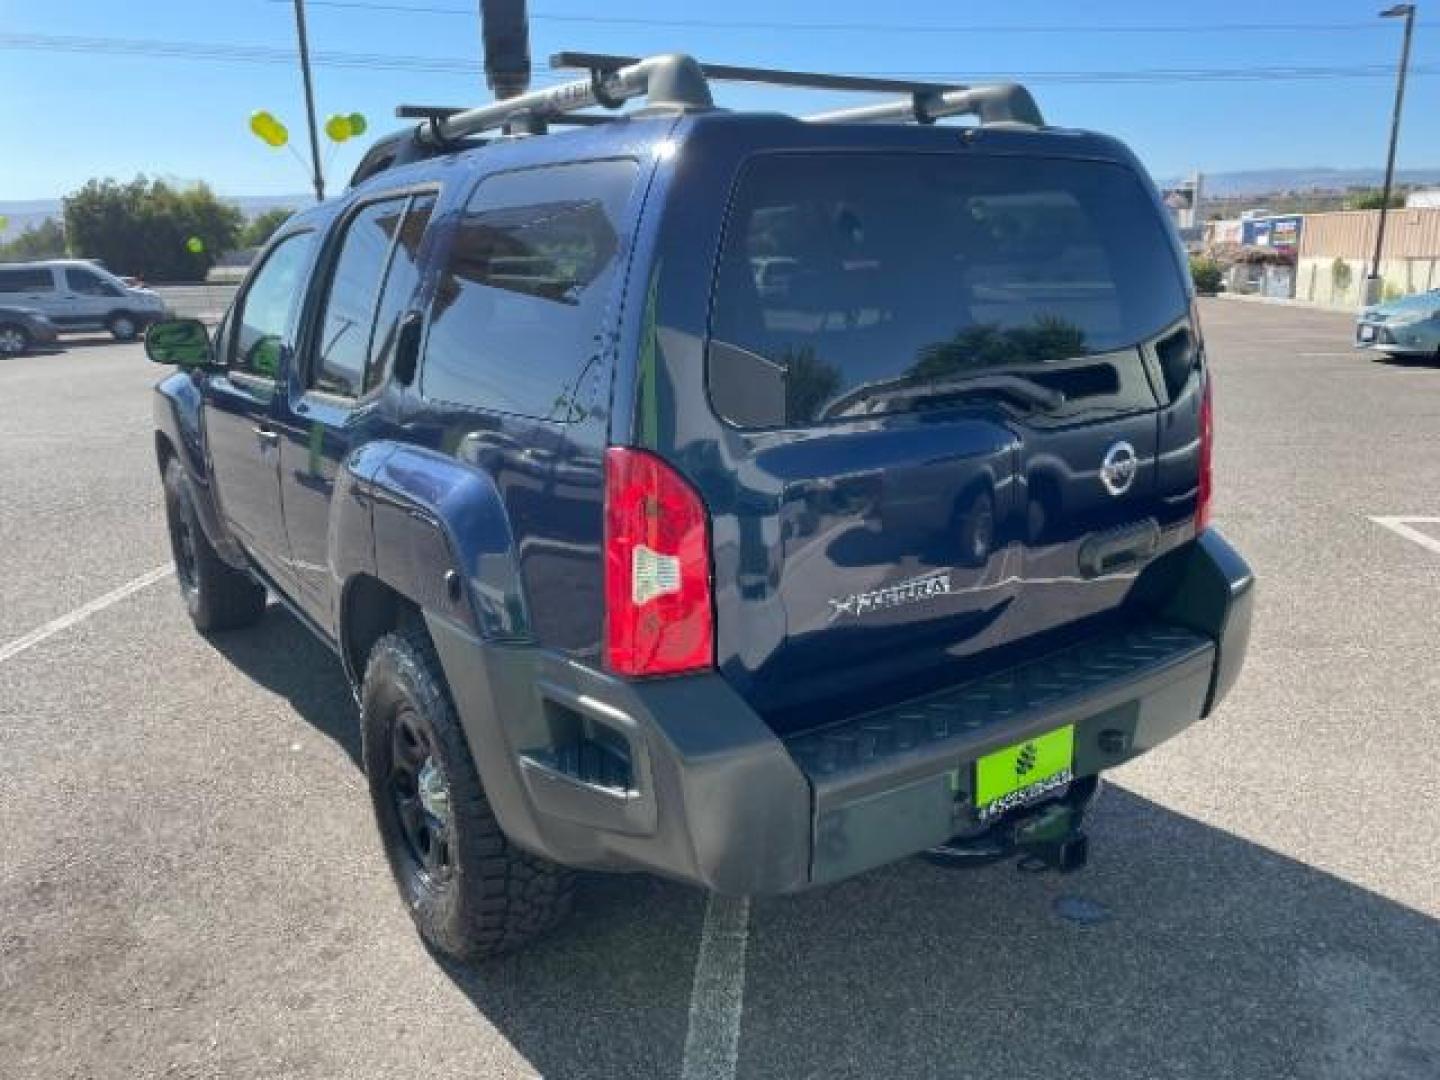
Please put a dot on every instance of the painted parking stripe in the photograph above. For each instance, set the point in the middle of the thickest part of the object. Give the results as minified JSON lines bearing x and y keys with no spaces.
{"x":80,"y":614}
{"x":717,"y":995}
{"x":1405,"y":526}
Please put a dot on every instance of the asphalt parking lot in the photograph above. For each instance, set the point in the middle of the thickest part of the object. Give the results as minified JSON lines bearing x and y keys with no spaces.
{"x":190,"y":884}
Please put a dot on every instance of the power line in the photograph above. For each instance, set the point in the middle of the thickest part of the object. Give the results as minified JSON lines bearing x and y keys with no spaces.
{"x":228,"y":53}
{"x":858,"y":27}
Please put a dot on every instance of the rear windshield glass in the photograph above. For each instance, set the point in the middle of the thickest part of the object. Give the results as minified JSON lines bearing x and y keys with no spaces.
{"x":855,"y":285}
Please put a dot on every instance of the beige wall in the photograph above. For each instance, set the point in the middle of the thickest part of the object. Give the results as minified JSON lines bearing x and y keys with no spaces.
{"x":1350,"y":234}
{"x":1317,"y":283}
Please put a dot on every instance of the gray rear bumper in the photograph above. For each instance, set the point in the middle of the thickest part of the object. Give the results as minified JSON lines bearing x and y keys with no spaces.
{"x":682,"y":778}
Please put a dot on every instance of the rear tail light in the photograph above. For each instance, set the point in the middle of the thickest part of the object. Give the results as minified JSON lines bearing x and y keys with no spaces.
{"x":658,"y":614}
{"x":1207,"y":450}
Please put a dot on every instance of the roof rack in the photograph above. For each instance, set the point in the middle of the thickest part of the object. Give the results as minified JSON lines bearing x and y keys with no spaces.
{"x":675,"y":81}
{"x":999,"y":103}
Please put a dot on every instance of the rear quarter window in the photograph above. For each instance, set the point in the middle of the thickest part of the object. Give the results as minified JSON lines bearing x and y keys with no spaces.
{"x":518,"y":314}
{"x":862,"y":284}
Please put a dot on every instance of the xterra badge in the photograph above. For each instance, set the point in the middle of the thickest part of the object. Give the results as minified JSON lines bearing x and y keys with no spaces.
{"x":935,"y":583}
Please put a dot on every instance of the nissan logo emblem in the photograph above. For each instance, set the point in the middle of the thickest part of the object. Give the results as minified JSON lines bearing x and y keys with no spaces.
{"x":1117,"y":471}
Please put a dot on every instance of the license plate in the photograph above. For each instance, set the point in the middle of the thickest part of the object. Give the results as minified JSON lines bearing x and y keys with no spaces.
{"x":1024,"y":773}
{"x":1367,"y":333}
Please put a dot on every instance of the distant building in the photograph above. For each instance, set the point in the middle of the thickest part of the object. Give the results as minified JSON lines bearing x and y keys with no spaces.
{"x":1423,"y":198}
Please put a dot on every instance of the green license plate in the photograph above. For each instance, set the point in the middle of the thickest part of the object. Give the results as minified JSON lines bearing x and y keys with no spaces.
{"x":1025,"y":772}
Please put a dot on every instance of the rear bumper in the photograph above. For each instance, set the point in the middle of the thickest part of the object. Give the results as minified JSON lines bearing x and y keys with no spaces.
{"x":682,"y":778}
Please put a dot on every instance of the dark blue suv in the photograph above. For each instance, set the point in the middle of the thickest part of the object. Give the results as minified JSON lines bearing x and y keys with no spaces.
{"x":744,"y":499}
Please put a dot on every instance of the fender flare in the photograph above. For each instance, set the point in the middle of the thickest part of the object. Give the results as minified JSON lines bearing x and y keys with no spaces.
{"x":180,"y":430}
{"x":439,"y":537}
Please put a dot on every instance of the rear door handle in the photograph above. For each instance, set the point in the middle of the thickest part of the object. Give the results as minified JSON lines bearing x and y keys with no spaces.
{"x":267,"y":435}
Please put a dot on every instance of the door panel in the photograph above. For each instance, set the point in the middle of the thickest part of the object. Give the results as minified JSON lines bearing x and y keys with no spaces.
{"x":332,"y":391}
{"x":241,"y":406}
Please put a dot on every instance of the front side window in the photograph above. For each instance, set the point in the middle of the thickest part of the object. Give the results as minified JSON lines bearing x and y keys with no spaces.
{"x":264,"y":320}
{"x":26,"y":279}
{"x":861,"y":284}
{"x":88,"y":283}
{"x":518,"y":314}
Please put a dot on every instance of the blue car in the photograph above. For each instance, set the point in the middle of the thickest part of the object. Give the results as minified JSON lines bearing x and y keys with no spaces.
{"x":1407,"y":327}
{"x":638,"y":563}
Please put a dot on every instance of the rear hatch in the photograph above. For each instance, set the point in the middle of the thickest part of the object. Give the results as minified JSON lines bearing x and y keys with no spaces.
{"x":944,"y":379}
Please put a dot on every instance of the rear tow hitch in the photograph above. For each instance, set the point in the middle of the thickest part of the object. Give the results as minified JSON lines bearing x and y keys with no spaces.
{"x":1048,"y":839}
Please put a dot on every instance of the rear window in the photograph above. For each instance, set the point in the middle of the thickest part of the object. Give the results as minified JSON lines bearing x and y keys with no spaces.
{"x":855,"y":285}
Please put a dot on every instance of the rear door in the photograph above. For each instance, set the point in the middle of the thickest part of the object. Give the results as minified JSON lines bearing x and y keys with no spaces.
{"x":951,"y":394}
{"x":30,"y":287}
{"x":368,"y":287}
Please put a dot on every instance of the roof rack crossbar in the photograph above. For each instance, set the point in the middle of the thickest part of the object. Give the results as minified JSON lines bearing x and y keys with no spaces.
{"x":992,"y":104}
{"x":672,"y":80}
{"x":1001,"y":103}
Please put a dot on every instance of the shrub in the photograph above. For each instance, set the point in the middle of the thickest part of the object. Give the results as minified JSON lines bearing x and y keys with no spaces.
{"x":1206,"y":274}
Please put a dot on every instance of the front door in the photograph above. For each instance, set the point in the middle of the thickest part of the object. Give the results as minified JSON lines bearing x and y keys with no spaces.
{"x":240,"y":405}
{"x":87,"y":298}
{"x":334,"y":389}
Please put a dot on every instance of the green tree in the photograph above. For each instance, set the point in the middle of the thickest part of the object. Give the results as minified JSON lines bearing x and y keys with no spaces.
{"x":262,"y":227}
{"x":43,"y":241}
{"x":142,"y":228}
{"x":1373,"y":200}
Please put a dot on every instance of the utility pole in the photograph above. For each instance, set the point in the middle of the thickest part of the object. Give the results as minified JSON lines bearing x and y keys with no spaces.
{"x":1407,"y":12}
{"x":310,"y":99}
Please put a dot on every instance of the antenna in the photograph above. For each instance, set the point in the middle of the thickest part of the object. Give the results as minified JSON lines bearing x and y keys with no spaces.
{"x":505,"y":33}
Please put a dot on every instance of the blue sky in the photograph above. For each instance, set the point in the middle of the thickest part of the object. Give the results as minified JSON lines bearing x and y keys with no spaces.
{"x":67,"y":115}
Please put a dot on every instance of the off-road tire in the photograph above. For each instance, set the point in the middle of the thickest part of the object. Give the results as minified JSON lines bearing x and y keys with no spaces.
{"x":217,"y":596}
{"x":123,"y":326}
{"x":493,"y":897}
{"x":14,"y":340}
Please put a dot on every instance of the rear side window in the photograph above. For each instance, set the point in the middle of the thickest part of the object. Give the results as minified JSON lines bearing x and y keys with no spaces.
{"x":857,"y":285}
{"x":26,"y":279}
{"x":400,"y":281}
{"x":344,"y":344}
{"x":518,"y":314}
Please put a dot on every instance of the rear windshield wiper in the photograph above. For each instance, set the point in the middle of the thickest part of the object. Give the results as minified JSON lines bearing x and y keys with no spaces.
{"x":1018,"y":388}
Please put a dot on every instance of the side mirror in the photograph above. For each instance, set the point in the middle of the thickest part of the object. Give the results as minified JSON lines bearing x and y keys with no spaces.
{"x":182,"y":343}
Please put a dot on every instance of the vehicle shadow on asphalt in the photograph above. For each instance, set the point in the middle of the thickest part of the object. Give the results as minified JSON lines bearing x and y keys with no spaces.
{"x":1182,"y":950}
{"x":281,"y":655}
{"x":1196,"y":953}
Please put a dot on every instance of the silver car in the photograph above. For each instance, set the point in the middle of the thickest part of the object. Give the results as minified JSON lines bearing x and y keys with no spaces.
{"x":1409,"y":326}
{"x":78,"y":295}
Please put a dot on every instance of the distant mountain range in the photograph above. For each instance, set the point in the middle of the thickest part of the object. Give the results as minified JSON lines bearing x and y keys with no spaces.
{"x":1317,"y":178}
{"x":23,"y":213}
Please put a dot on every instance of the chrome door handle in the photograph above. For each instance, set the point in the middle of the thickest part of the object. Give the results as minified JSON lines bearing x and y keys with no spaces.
{"x":266,"y":435}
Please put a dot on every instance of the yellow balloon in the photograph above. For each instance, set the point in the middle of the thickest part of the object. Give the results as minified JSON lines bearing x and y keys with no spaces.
{"x":357,"y":124}
{"x":338,"y":128}
{"x":195,"y":245}
{"x":267,"y":129}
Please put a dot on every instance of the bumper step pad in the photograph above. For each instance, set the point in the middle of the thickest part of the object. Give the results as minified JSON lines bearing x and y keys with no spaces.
{"x":962,"y":713}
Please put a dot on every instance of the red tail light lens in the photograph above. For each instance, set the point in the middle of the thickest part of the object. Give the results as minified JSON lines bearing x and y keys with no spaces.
{"x":1207,"y":450}
{"x":658,"y":614}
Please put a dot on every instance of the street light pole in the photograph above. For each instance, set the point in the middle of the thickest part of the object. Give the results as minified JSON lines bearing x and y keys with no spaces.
{"x":1407,"y":11}
{"x":310,"y":99}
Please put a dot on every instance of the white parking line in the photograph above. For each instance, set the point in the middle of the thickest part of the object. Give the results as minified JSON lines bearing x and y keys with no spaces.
{"x":717,"y":995}
{"x":100,"y":603}
{"x":1404,"y":526}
